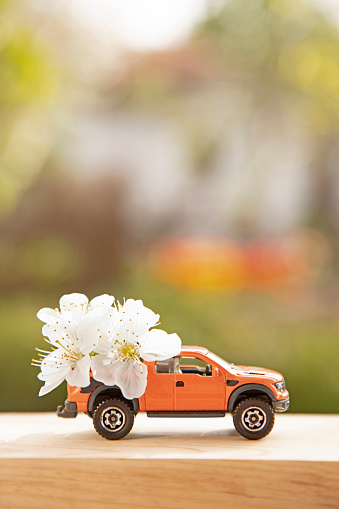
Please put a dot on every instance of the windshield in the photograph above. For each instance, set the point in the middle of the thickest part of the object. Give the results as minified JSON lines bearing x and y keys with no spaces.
{"x":221,"y":361}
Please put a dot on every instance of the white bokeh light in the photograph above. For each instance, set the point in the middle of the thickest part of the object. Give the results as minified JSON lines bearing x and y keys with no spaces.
{"x":141,"y":25}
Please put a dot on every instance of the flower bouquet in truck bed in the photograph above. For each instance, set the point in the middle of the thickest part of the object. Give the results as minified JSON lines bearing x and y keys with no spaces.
{"x":102,"y":336}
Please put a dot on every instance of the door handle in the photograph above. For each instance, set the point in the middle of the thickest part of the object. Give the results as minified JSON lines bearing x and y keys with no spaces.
{"x":179,"y":384}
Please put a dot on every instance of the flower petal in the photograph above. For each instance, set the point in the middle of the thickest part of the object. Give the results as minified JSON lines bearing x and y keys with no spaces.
{"x":104,"y":345}
{"x":72,"y":300}
{"x":79,"y":376}
{"x":62,"y":333}
{"x":48,"y":315}
{"x":131,"y":377}
{"x":104,"y":300}
{"x":88,"y":334}
{"x":75,"y":315}
{"x":136,"y":310}
{"x":158,"y":345}
{"x":105,"y":317}
{"x":48,"y":387}
{"x":103,"y":368}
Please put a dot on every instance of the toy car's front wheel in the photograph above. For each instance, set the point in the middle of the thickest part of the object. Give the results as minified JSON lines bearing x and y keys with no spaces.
{"x":113,"y":419}
{"x":253,"y":418}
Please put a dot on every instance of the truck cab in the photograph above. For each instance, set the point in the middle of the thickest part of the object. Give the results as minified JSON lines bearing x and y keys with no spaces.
{"x":196,"y":383}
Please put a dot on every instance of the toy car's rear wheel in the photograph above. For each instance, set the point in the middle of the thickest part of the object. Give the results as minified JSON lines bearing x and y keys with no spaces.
{"x":113,"y":419}
{"x":253,"y":418}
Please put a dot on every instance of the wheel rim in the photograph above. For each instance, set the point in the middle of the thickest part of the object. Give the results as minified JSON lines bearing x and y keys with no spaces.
{"x":112,"y":419}
{"x":253,"y":418}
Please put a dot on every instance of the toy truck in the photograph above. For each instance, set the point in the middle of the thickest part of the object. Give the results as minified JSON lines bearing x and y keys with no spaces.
{"x":196,"y":383}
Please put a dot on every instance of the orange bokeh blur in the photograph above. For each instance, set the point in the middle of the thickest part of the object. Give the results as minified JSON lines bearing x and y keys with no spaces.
{"x":223,"y":265}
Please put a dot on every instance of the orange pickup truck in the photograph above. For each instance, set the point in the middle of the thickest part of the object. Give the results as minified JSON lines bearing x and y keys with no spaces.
{"x":196,"y":383}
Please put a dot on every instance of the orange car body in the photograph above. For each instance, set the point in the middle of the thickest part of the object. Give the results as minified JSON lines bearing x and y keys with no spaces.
{"x":196,"y":383}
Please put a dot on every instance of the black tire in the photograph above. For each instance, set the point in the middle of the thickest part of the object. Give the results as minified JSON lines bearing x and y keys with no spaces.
{"x":253,"y":418}
{"x":113,"y":419}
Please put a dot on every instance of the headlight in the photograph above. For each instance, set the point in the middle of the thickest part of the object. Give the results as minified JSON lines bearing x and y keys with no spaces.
{"x":281,"y":386}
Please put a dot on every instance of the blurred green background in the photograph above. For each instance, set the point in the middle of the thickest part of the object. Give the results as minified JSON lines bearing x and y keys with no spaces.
{"x":187,"y":156}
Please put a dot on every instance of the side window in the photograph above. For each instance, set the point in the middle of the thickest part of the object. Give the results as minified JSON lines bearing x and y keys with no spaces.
{"x":194,"y":365}
{"x":176,"y":365}
{"x":162,"y":367}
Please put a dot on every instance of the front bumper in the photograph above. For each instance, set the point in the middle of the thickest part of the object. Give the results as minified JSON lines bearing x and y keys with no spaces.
{"x":70,"y":411}
{"x":281,"y":405}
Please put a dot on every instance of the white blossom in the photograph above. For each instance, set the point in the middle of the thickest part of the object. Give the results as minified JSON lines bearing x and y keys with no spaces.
{"x":113,"y":341}
{"x":69,"y":359}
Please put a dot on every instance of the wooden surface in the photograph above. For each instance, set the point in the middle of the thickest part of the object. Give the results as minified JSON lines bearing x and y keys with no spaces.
{"x":176,"y":463}
{"x":294,"y":437}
